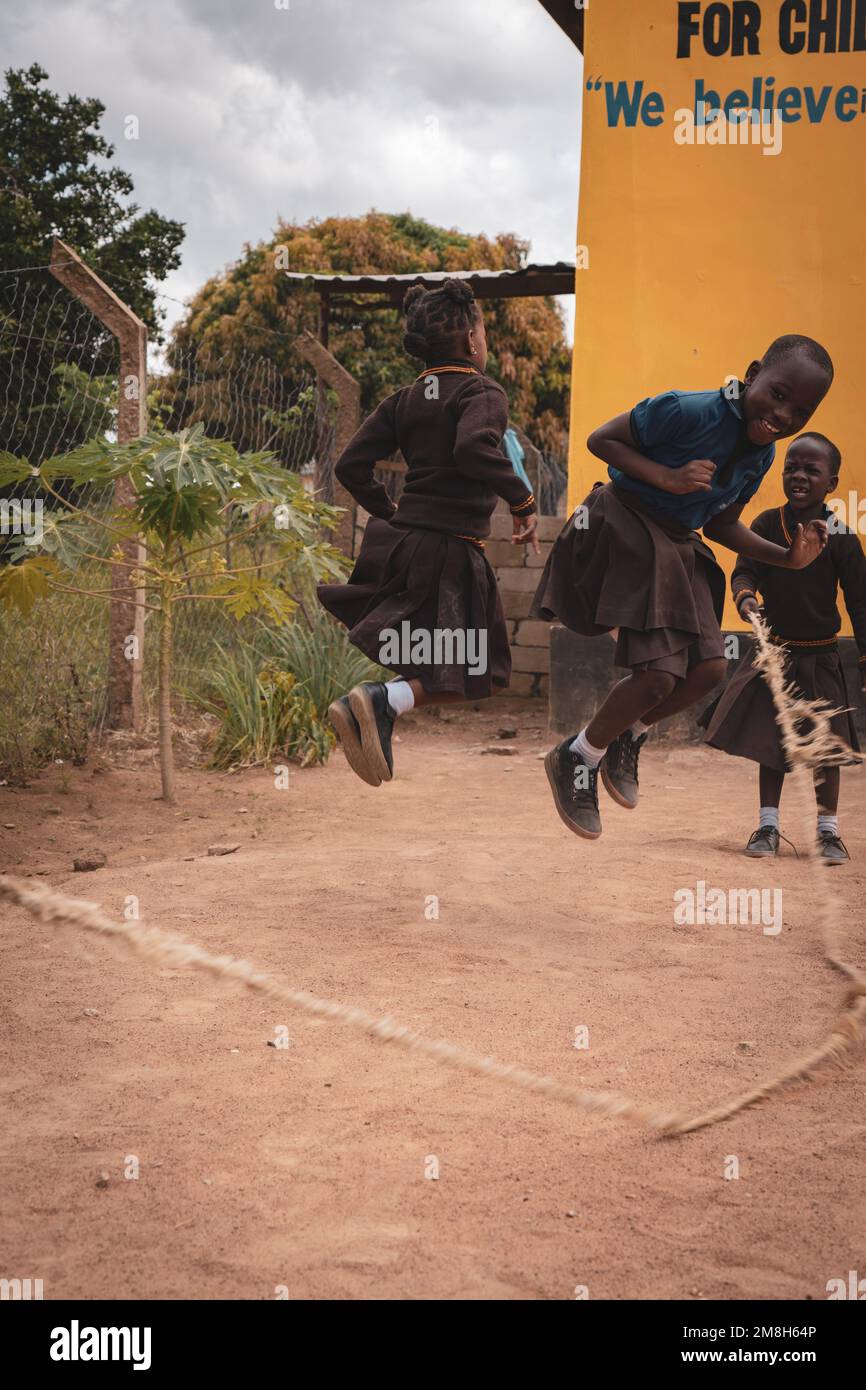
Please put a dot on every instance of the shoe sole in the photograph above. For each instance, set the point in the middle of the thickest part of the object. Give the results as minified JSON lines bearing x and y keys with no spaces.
{"x":761,"y":854}
{"x":566,"y":820}
{"x":612,"y":791}
{"x":362,"y":707}
{"x":346,"y":732}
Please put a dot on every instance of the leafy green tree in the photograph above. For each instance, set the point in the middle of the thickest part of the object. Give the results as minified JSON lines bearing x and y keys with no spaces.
{"x":184,"y":490}
{"x":251,"y":310}
{"x":57,"y":177}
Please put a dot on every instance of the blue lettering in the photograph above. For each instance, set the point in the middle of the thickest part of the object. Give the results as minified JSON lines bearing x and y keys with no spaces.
{"x":652,"y":111}
{"x":789,"y":103}
{"x":737,"y":101}
{"x":621,"y":101}
{"x":816,"y":109}
{"x":709,"y":98}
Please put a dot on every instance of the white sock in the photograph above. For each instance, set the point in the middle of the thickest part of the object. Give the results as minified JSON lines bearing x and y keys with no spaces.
{"x":830,"y":823}
{"x":401,"y":696}
{"x":769,"y":816}
{"x":638,"y":728}
{"x":591,"y":756}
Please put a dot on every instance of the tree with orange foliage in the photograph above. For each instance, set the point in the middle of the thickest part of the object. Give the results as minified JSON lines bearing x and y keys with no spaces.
{"x":252,"y":311}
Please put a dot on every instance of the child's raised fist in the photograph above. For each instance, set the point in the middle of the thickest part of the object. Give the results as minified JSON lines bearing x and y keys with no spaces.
{"x":695,"y":476}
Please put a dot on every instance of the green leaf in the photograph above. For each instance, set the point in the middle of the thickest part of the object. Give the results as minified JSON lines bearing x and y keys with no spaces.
{"x":249,"y":593}
{"x":21,"y":586}
{"x":186,"y":512}
{"x":13,"y":470}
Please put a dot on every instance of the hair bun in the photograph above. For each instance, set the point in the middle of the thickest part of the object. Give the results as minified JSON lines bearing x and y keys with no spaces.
{"x":415,"y":345}
{"x":460,"y":291}
{"x":438,"y":320}
{"x":412,"y":296}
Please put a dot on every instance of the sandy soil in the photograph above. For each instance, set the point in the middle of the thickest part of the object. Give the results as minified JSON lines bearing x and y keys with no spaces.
{"x":305,"y":1167}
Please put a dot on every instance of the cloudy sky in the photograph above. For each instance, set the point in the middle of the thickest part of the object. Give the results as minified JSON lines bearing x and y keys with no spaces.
{"x":464,"y":112}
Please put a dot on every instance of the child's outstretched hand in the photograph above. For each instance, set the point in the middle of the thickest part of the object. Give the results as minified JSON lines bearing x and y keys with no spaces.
{"x":807,"y":544}
{"x":524,"y":531}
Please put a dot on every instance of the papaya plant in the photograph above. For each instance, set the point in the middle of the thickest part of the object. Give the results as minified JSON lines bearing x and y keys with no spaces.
{"x":184,"y":494}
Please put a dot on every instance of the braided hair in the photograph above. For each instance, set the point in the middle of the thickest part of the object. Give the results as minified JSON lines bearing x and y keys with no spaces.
{"x":435,"y":319}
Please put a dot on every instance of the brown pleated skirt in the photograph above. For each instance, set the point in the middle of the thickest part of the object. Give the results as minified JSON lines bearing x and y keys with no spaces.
{"x":435,"y":582}
{"x":654,"y":580}
{"x":742,"y":720}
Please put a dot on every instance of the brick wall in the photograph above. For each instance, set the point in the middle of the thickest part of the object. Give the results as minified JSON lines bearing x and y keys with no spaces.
{"x":518,"y":570}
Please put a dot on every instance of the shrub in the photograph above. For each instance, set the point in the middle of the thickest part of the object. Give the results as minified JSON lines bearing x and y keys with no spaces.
{"x":271,"y":697}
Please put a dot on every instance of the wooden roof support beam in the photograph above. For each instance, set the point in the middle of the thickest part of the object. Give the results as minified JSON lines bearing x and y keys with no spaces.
{"x":570,"y":18}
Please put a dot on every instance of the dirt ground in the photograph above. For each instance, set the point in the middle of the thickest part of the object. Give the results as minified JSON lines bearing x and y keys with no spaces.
{"x":303,"y":1169}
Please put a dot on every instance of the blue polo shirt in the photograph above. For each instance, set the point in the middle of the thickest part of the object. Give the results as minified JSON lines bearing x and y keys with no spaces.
{"x":679,"y":426}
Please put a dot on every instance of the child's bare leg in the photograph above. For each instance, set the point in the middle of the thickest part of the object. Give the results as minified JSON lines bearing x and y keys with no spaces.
{"x":422,"y":698}
{"x":770,"y":783}
{"x":628,"y":701}
{"x":701,"y":679}
{"x":827,"y":782}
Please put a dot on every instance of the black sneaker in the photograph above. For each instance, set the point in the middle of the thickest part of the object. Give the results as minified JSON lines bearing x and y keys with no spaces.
{"x":764,"y":844}
{"x":831,"y":848}
{"x":575,"y":790}
{"x":369,"y":704}
{"x":346,"y":727}
{"x":619,"y":769}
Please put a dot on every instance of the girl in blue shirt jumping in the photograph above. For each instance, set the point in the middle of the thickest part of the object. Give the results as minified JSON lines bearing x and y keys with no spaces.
{"x":630,"y":561}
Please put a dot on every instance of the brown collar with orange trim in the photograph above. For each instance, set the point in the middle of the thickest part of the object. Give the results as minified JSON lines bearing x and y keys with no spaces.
{"x":438,"y":371}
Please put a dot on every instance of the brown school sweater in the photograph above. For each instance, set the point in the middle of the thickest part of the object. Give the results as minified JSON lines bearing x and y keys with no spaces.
{"x":448,"y":426}
{"x":800,"y":605}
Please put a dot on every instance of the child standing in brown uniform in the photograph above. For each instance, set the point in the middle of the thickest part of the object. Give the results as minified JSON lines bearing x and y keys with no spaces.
{"x":422,"y":598}
{"x":631,"y":560}
{"x":801,"y":612}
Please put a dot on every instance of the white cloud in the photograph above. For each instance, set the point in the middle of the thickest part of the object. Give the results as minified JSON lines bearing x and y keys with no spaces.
{"x":466,"y":114}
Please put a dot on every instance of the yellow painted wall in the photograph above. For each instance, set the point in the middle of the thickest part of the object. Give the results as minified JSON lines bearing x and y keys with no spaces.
{"x":698,"y":256}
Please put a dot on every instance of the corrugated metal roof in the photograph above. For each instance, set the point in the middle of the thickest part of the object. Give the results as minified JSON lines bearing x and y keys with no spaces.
{"x":352,"y":281}
{"x":557,"y":278}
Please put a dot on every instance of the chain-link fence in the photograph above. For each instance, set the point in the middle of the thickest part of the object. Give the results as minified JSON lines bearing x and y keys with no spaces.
{"x":59,"y":388}
{"x":242,"y":397}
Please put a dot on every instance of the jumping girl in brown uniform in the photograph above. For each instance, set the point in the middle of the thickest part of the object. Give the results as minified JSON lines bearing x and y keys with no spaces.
{"x":421,"y":572}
